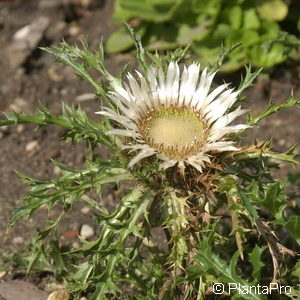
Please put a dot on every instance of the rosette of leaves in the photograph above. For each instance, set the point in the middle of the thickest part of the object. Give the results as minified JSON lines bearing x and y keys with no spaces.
{"x":206,"y":25}
{"x":217,"y":223}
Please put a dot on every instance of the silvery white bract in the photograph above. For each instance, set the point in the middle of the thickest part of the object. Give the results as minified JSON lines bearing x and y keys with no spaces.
{"x":174,"y":116}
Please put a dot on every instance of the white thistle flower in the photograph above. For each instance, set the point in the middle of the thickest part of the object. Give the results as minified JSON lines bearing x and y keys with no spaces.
{"x":175,"y":116}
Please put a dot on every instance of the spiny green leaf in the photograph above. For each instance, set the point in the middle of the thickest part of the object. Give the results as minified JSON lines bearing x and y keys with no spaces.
{"x":79,"y":126}
{"x":82,"y":273}
{"x":265,"y":152}
{"x":140,"y":51}
{"x":249,"y":205}
{"x":272,"y":108}
{"x":223,"y":55}
{"x":249,"y":78}
{"x":64,"y":190}
{"x":40,"y":118}
{"x":293,"y":226}
{"x":257,"y":264}
{"x":213,"y":264}
{"x":80,"y":59}
{"x":274,"y":199}
{"x":296,"y":271}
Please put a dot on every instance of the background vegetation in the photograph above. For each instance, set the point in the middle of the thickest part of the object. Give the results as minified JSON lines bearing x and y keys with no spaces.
{"x":268,"y":29}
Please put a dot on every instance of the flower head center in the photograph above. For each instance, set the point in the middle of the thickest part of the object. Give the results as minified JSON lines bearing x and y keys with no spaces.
{"x":175,"y":132}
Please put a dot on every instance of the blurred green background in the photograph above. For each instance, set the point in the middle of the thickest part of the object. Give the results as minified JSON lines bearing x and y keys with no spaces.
{"x":268,"y":29}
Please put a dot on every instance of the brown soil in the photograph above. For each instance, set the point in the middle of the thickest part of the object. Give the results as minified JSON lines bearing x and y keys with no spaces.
{"x":39,"y":79}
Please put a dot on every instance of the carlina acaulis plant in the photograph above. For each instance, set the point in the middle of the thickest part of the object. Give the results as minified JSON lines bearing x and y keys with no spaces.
{"x":197,"y":206}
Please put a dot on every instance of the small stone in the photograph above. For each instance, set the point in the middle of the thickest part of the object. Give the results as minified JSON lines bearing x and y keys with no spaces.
{"x":2,"y":274}
{"x":4,"y":128}
{"x":85,"y":210}
{"x":83,"y":298}
{"x":18,"y":240}
{"x":74,"y":30}
{"x":54,"y":75}
{"x":75,"y":245}
{"x":86,"y":231}
{"x":25,"y":40}
{"x":22,"y":33}
{"x":86,"y":3}
{"x":19,"y":105}
{"x":148,"y":243}
{"x":32,"y":146}
{"x":85,"y":97}
{"x":64,"y":92}
{"x":56,"y":170}
{"x":60,"y":26}
{"x":20,"y":128}
{"x":277,"y":122}
{"x":53,"y":286}
{"x":59,"y":295}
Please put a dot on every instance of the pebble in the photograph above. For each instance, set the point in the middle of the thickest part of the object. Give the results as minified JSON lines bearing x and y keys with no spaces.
{"x":32,"y":146}
{"x":277,"y":122}
{"x":74,"y":30}
{"x":2,"y":274}
{"x":20,"y":128}
{"x":4,"y":128}
{"x":75,"y":245}
{"x":148,"y":243}
{"x":64,"y":92}
{"x":25,"y":40}
{"x":85,"y":97}
{"x":86,"y":3}
{"x":85,"y":210}
{"x":56,"y":170}
{"x":18,"y":240}
{"x":86,"y":231}
{"x":54,"y":75}
{"x":59,"y":295}
{"x":19,"y":105}
{"x":53,"y":286}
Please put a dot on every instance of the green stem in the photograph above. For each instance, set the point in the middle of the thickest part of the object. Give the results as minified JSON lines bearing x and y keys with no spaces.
{"x":34,"y":119}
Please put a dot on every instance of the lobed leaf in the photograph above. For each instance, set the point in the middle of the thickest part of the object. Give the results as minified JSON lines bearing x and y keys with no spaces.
{"x":272,"y":108}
